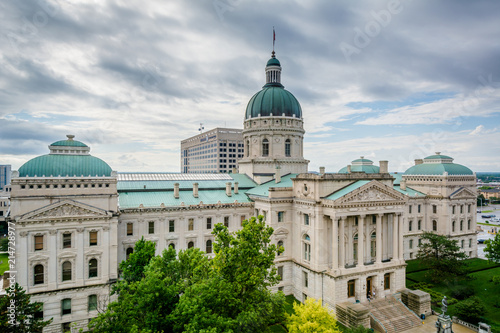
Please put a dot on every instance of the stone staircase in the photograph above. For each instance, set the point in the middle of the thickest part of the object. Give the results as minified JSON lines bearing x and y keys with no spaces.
{"x":393,"y":315}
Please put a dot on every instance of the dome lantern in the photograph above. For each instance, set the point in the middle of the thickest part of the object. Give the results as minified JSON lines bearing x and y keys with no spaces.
{"x":273,"y":72}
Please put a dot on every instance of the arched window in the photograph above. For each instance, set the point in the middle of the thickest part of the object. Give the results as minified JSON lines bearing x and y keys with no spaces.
{"x":209,"y":246}
{"x":373,"y":244}
{"x":190,"y":245}
{"x":434,"y":225}
{"x":172,"y":245}
{"x":280,"y":244}
{"x":38,"y":274}
{"x":265,"y":147}
{"x":92,"y":268}
{"x":307,"y":247}
{"x":66,"y":271}
{"x":130,"y":250}
{"x":287,"y":148}
{"x":355,"y":248}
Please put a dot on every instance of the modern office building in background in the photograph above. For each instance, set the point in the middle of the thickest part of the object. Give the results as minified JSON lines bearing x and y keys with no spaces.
{"x":215,"y":151}
{"x":4,"y":176}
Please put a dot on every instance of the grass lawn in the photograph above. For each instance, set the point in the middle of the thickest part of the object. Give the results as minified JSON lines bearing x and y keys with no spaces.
{"x":481,"y":273}
{"x":487,"y":211}
{"x":4,"y":266}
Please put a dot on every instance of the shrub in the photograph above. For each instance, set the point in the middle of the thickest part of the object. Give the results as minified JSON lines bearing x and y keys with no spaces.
{"x":471,"y":310}
{"x":462,"y":292}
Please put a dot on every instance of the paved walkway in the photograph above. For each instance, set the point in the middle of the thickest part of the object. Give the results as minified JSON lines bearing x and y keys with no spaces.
{"x":429,"y":326}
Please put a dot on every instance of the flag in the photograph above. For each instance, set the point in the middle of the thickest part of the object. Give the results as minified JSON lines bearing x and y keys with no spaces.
{"x":274,"y":37}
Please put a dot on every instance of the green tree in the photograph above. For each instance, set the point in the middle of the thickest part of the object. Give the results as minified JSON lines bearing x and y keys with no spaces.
{"x":471,"y":310}
{"x":492,"y":249}
{"x":481,"y":200}
{"x":442,"y":255}
{"x":4,"y":244}
{"x":235,"y":297}
{"x":17,"y":307}
{"x":311,"y":317}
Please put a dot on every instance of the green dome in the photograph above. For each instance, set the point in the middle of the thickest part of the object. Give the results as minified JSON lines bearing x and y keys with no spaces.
{"x":361,"y":168}
{"x":69,"y":143}
{"x":438,"y":169}
{"x":273,"y":62}
{"x":273,"y":100}
{"x":437,"y":165}
{"x":54,"y":165}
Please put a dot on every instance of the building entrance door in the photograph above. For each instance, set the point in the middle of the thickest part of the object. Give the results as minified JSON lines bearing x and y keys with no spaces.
{"x":369,"y":287}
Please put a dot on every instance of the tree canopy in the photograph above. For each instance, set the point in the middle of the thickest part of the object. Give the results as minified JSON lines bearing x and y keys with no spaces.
{"x":492,"y":249}
{"x":26,"y":312}
{"x":443,"y":255}
{"x":187,"y":292}
{"x":311,"y":317}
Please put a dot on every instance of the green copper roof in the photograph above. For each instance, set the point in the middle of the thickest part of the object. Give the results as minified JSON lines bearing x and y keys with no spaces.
{"x":438,"y":157}
{"x":397,"y":176}
{"x":361,"y":168}
{"x":263,"y":189}
{"x":438,"y":169}
{"x":273,"y":62}
{"x":69,"y":143}
{"x":55,"y":165}
{"x":349,"y":188}
{"x":156,"y":199}
{"x":409,"y":191}
{"x":273,"y":100}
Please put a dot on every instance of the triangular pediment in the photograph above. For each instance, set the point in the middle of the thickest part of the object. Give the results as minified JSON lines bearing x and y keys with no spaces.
{"x":463,"y":193}
{"x":372,"y":193}
{"x":65,"y":210}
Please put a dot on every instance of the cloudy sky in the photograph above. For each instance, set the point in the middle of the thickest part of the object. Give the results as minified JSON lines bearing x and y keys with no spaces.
{"x":389,"y":80}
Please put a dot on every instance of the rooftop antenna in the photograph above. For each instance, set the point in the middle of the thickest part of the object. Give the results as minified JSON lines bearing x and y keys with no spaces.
{"x":274,"y":39}
{"x":201,"y":128}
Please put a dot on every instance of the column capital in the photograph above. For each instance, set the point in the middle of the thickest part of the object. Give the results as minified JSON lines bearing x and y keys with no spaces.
{"x":398,"y":213}
{"x":362,"y":216}
{"x":380,"y":214}
{"x":343,"y":218}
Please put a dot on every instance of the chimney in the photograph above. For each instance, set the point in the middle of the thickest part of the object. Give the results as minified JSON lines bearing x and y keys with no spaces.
{"x":176,"y":190}
{"x":402,"y":184}
{"x":419,"y":161}
{"x":195,"y":190}
{"x":277,"y":175}
{"x":321,"y":170}
{"x":349,"y":168}
{"x":235,"y":187}
{"x":228,"y":189}
{"x":234,"y":170}
{"x":384,"y":166}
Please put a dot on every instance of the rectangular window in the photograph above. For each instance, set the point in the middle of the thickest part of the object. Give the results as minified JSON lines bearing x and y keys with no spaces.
{"x":304,"y":296}
{"x":468,"y":209}
{"x":191,"y":224}
{"x":151,"y":227}
{"x":351,"y":284}
{"x":410,"y":223}
{"x":418,"y":209}
{"x":38,"y":243}
{"x":409,"y":209}
{"x":306,"y":279}
{"x":411,"y":243}
{"x":306,"y":219}
{"x":453,"y":209}
{"x":280,"y":216}
{"x":434,"y":209}
{"x":470,"y":242}
{"x":419,"y":225}
{"x":209,"y":223}
{"x":462,"y":243}
{"x":130,"y":229}
{"x":461,"y":209}
{"x":280,"y":273}
{"x":419,"y":242}
{"x":93,"y":238}
{"x":226,"y":221}
{"x":66,"y":241}
{"x":387,"y":281}
{"x":242,"y":218}
{"x":66,"y":306}
{"x":92,"y":302}
{"x":171,"y":226}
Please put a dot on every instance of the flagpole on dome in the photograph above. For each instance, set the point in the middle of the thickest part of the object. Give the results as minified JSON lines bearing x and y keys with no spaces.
{"x":274,"y":39}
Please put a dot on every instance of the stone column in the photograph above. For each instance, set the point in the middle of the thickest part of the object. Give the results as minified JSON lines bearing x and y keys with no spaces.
{"x":80,"y":260}
{"x":379,"y":239}
{"x":400,"y":235}
{"x":335,"y":245}
{"x":395,"y":232}
{"x":53,"y":270}
{"x":361,"y":240}
{"x":342,"y":242}
{"x":350,"y":255}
